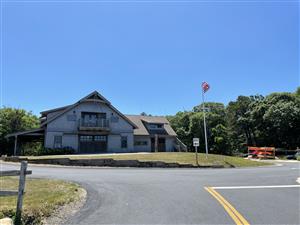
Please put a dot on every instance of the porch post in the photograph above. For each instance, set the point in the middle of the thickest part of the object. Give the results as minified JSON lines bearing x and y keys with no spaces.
{"x":156,"y":143}
{"x":16,"y":145}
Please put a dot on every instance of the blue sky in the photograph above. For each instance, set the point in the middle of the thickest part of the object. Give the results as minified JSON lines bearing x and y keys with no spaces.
{"x":147,"y":56}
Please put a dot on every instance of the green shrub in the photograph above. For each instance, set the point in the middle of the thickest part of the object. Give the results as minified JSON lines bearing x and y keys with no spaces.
{"x":57,"y":151}
{"x":28,"y":216}
{"x":49,"y":151}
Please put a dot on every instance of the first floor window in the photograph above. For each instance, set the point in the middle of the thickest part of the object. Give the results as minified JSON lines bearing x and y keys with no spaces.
{"x":100,"y":138}
{"x":86,"y":138}
{"x":124,"y":142}
{"x":141,"y":143}
{"x":57,"y":141}
{"x":90,"y":138}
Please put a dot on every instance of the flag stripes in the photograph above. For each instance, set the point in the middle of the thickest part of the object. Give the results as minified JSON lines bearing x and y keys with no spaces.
{"x":205,"y":87}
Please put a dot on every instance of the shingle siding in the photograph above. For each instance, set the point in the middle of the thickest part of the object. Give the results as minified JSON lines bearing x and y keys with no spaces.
{"x":142,"y":148}
{"x":69,"y":129}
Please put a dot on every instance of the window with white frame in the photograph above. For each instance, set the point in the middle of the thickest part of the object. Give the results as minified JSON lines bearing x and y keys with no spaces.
{"x":100,"y":138}
{"x":57,"y":141}
{"x":86,"y":138}
{"x":124,"y":143}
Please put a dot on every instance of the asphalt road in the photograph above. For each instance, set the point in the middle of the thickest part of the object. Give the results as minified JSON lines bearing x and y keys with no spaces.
{"x":178,"y":196}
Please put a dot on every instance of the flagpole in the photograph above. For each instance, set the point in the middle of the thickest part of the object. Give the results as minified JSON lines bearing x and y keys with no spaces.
{"x":204,"y":121}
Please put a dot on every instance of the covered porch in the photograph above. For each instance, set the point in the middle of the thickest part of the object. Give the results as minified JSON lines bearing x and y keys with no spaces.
{"x":35,"y":135}
{"x":158,"y":143}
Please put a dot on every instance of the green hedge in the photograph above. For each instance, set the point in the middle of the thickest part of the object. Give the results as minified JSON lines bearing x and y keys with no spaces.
{"x":49,"y":151}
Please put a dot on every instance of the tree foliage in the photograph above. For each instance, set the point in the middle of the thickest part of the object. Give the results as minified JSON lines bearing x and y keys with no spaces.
{"x":14,"y":120}
{"x":256,"y":120}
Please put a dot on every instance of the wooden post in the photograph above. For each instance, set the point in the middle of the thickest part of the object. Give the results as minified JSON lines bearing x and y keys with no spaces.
{"x":156,"y":143}
{"x":16,"y":145}
{"x":196,"y":151}
{"x":21,"y":192}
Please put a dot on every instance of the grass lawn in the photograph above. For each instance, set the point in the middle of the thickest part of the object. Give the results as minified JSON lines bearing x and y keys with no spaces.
{"x":182,"y":158}
{"x":42,"y":197}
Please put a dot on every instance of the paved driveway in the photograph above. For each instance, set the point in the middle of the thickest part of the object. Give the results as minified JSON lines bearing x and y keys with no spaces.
{"x":178,"y":196}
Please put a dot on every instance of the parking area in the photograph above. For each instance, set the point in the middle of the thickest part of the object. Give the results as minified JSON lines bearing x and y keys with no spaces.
{"x":278,"y":204}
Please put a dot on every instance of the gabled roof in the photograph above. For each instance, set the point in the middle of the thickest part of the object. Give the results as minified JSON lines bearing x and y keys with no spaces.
{"x":44,"y":113}
{"x":141,"y":120}
{"x":95,"y":97}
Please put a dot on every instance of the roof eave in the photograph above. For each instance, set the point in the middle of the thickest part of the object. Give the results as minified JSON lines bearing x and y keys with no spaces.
{"x":24,"y":132}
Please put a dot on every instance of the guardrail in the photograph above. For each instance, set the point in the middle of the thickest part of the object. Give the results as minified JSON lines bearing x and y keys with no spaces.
{"x":20,"y":193}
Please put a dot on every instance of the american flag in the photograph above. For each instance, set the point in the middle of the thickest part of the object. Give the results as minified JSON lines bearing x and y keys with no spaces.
{"x":205,"y":87}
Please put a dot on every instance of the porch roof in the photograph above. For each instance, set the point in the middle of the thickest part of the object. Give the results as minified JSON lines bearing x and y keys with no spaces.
{"x":33,"y":132}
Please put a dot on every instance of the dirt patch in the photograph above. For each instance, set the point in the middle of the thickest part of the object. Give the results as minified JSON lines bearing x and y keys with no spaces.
{"x":63,"y":213}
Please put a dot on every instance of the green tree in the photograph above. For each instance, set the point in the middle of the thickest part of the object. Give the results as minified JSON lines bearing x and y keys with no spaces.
{"x":181,"y":124}
{"x":298,"y":92}
{"x":277,"y":120}
{"x":213,"y":107}
{"x":196,"y":129}
{"x":14,"y":120}
{"x":241,"y":132}
{"x":190,"y":124}
{"x":273,"y":120}
{"x":220,"y":140}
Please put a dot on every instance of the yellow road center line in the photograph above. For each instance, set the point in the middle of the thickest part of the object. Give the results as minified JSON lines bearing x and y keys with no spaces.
{"x":245,"y":222}
{"x":227,"y":209}
{"x":232,"y":212}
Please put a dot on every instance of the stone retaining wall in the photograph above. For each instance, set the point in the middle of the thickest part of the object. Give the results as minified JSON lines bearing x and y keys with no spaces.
{"x":107,"y":162}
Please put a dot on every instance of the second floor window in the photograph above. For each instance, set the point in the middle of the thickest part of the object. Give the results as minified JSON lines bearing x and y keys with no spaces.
{"x":93,"y":119}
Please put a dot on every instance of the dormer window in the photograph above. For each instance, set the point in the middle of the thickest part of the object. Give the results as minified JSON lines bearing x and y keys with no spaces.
{"x":155,"y":126}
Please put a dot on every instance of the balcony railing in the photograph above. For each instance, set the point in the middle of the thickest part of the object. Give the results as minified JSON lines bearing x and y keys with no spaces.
{"x":94,"y":124}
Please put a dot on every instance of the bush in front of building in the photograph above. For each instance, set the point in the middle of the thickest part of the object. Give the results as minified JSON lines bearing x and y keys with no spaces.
{"x":57,"y":151}
{"x":48,"y":151}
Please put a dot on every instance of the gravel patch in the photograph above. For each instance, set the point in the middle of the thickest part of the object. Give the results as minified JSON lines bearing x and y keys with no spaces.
{"x":63,"y":213}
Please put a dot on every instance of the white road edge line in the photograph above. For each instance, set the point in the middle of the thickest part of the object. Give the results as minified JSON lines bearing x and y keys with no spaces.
{"x":256,"y":187}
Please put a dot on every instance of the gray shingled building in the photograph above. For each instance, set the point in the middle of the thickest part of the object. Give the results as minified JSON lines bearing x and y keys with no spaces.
{"x":94,"y":125}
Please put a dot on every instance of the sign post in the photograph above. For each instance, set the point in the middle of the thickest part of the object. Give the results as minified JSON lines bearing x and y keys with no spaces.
{"x":205,"y":88}
{"x":196,"y":144}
